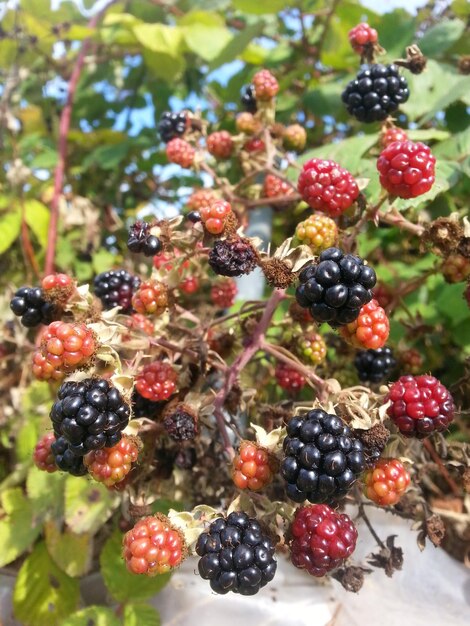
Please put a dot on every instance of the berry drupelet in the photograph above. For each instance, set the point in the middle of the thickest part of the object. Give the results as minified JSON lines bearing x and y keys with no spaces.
{"x":142,"y":241}
{"x":214,"y":216}
{"x":322,"y":458}
{"x":111,"y":465}
{"x":43,"y":456}
{"x":236,"y":555}
{"x":406,"y":169}
{"x":374,"y":365}
{"x":253,"y":467}
{"x":171,"y":125}
{"x":390,"y":135}
{"x":151,"y":298}
{"x":156,"y":381}
{"x":321,"y":539}
{"x":89,"y":415}
{"x":336,"y":287}
{"x":29,"y":304}
{"x":327,"y":187}
{"x":65,"y":459}
{"x":420,"y":406}
{"x":319,"y":232}
{"x":180,"y":152}
{"x":289,"y":379}
{"x":153,"y":546}
{"x":362,"y":36}
{"x":265,"y":86}
{"x":376,"y":92}
{"x":248,"y":99}
{"x":386,"y":482}
{"x":115,"y":288}
{"x":371,"y":328}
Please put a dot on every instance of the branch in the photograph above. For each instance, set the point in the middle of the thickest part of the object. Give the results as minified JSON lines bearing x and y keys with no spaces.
{"x":395,"y":218}
{"x":442,"y":468}
{"x":326,"y":26}
{"x":64,"y":127}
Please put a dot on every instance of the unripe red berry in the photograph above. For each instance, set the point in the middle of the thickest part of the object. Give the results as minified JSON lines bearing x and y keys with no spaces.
{"x":386,"y":482}
{"x":111,"y":465}
{"x":253,"y":467}
{"x":200,"y":198}
{"x":189,"y":285}
{"x":137,"y":321}
{"x":327,"y":187}
{"x":420,"y":406}
{"x":57,"y":288}
{"x":180,"y":152}
{"x":214,"y":216}
{"x":223,"y":293}
{"x":42,"y":455}
{"x":274,"y":187}
{"x":156,"y":381}
{"x":362,"y":35}
{"x":150,"y":298}
{"x":406,"y":169}
{"x":370,"y":330}
{"x":289,"y":379}
{"x":220,"y":144}
{"x":411,"y":361}
{"x":456,"y":268}
{"x":153,"y":546}
{"x":390,"y":135}
{"x":322,"y":539}
{"x":319,"y":232}
{"x":383,"y":294}
{"x":254,"y":145}
{"x":266,"y":86}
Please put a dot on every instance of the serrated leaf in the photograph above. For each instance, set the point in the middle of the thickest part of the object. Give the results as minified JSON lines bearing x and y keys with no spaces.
{"x":87,"y":504}
{"x":71,"y":552}
{"x":92,"y":616}
{"x":46,"y":491}
{"x":43,"y":594}
{"x":120,"y":582}
{"x":141,"y":615}
{"x":19,"y":528}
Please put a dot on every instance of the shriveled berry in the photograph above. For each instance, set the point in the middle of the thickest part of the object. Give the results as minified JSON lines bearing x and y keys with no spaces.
{"x":137,"y":321}
{"x":223,"y":293}
{"x":327,"y":187}
{"x":406,"y":169}
{"x":214,"y":216}
{"x":265,"y":85}
{"x":370,"y":330}
{"x":111,"y":465}
{"x":156,"y":381}
{"x":151,"y":298}
{"x":420,"y":406}
{"x":386,"y":482}
{"x":42,"y":456}
{"x":180,"y":422}
{"x":383,"y":294}
{"x":220,"y":144}
{"x":253,"y":467}
{"x":153,"y":546}
{"x":233,"y":257}
{"x":322,"y":539}
{"x":289,"y":379}
{"x":180,"y":152}
{"x":57,"y":288}
{"x":319,"y":232}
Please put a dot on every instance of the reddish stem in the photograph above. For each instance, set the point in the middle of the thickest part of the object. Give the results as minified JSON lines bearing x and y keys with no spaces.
{"x":26,"y":241}
{"x":64,"y":127}
{"x":442,"y":468}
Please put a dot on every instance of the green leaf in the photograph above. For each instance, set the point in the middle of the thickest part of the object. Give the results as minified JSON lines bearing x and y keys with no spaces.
{"x":46,"y":491}
{"x":141,"y":615}
{"x":10,"y":226}
{"x":206,"y":41}
{"x":260,"y":6}
{"x":43,"y":594}
{"x":347,"y":152}
{"x":102,"y":260}
{"x":37,"y":216}
{"x":92,"y":616}
{"x":441,"y":37}
{"x":71,"y":552}
{"x":19,"y":528}
{"x":237,"y":44}
{"x":450,"y":303}
{"x":162,"y":48}
{"x":87,"y":505}
{"x":107,"y":157}
{"x":46,"y":159}
{"x":396,"y":31}
{"x":205,"y":18}
{"x":120,"y":582}
{"x":26,"y":439}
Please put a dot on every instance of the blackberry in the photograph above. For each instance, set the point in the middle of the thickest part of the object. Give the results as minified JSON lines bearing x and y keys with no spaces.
{"x":194,"y":217}
{"x":89,"y":415}
{"x":171,"y":125}
{"x":65,"y":459}
{"x":374,"y":365}
{"x":336,"y":287}
{"x":236,"y":555}
{"x":141,"y":241}
{"x":322,"y":458}
{"x":233,"y":257}
{"x":115,"y":288}
{"x":180,"y":422}
{"x":377,"y":91}
{"x":141,"y":407}
{"x":248,"y":99}
{"x":29,"y":304}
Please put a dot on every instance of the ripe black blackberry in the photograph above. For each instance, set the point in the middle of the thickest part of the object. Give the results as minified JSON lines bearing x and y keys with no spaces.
{"x":29,"y":304}
{"x":172,"y":125}
{"x":336,"y":287}
{"x":116,"y":288}
{"x":376,"y":92}
{"x":236,"y":555}
{"x":322,"y":458}
{"x":194,"y":217}
{"x":141,"y":407}
{"x":233,"y":257}
{"x":374,"y":365}
{"x":248,"y":99}
{"x":180,"y":422}
{"x":141,"y":241}
{"x":66,"y":460}
{"x":89,"y":415}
